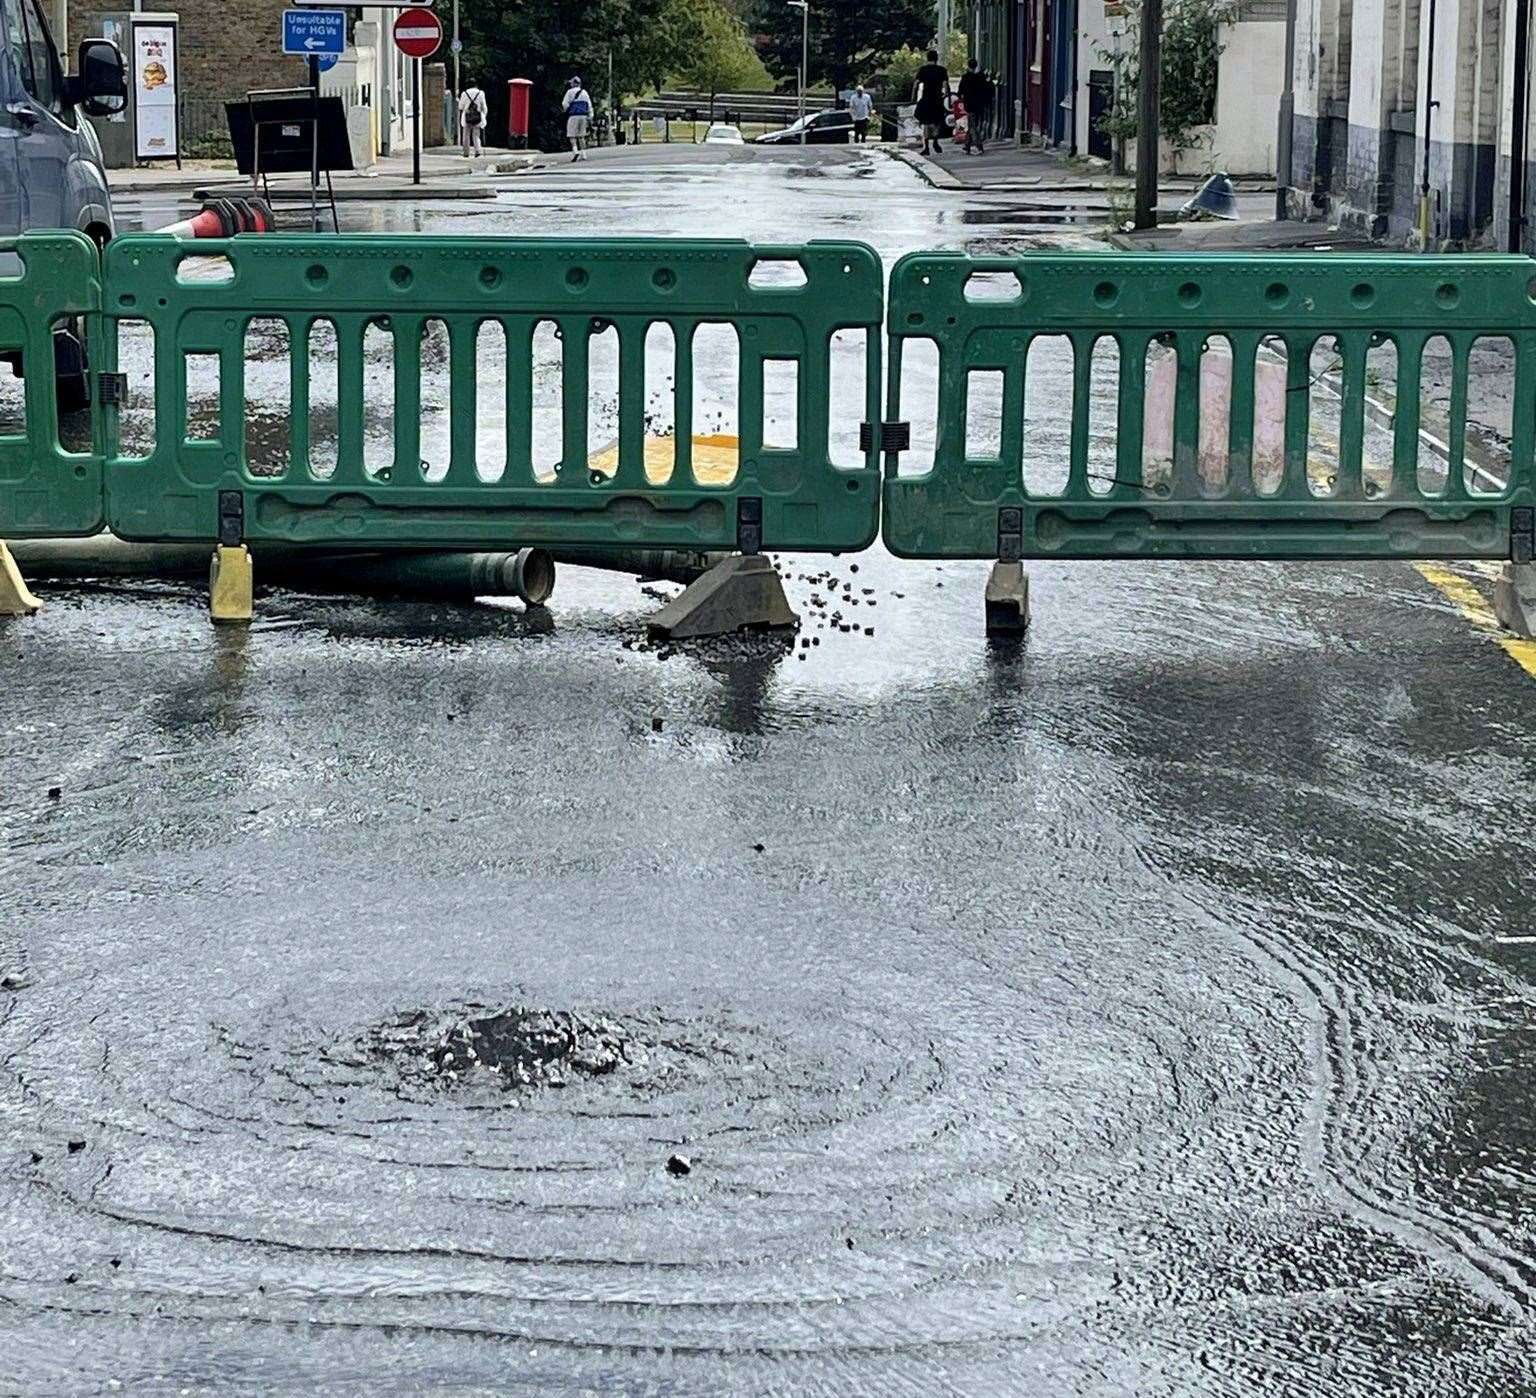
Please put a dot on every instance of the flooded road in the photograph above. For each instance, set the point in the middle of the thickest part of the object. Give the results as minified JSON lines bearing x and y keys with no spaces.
{"x":411,"y":997}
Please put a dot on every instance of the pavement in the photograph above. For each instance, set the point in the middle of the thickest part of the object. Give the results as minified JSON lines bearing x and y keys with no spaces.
{"x":445,"y":173}
{"x":1006,"y":165}
{"x":1142,"y":1009}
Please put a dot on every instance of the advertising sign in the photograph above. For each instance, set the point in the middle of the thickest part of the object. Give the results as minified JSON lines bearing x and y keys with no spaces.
{"x":155,"y":128}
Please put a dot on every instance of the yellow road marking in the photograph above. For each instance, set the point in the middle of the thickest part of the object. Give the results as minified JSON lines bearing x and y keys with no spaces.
{"x":1470,"y":602}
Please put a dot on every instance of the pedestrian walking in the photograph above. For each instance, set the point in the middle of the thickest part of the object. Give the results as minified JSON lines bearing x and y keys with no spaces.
{"x":860,"y":105}
{"x":930,"y":93}
{"x":976,"y":93}
{"x":577,"y":104}
{"x":472,"y":115}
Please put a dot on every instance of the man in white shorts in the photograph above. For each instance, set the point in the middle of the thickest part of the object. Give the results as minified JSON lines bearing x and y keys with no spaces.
{"x":578,"y":112}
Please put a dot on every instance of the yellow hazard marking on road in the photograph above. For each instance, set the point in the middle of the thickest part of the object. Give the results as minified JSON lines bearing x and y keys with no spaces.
{"x":715,"y":459}
{"x":1469,"y":600}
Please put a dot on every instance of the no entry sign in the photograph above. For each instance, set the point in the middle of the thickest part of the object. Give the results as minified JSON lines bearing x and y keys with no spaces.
{"x":418,"y":33}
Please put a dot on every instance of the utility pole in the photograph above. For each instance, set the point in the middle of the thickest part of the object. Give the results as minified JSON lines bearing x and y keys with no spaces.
{"x":456,"y":46}
{"x":944,"y":21}
{"x":1148,"y":94}
{"x":1286,"y":133}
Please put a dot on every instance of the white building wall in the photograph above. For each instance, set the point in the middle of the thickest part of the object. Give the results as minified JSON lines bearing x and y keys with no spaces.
{"x":1309,"y":15}
{"x":1248,"y":88}
{"x":1367,"y":78}
{"x":1248,"y":85}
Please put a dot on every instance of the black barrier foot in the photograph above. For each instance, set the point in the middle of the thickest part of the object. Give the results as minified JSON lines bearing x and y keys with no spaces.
{"x":15,"y":597}
{"x":1514,"y":598}
{"x":1007,"y":600}
{"x":740,"y":593}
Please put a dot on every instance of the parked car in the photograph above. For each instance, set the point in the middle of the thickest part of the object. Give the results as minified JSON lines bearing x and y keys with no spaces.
{"x":723,"y":134}
{"x":51,"y":171}
{"x":821,"y":128}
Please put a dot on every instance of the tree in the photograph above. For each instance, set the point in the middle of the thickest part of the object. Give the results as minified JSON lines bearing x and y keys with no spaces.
{"x":722,"y":58}
{"x":849,"y":39}
{"x":547,"y":41}
{"x":900,"y":73}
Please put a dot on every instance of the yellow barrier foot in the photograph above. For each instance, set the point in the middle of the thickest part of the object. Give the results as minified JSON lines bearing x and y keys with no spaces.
{"x":229,"y":584}
{"x":741,"y":593}
{"x":1007,"y":600}
{"x":1514,"y":598}
{"x":15,"y":597}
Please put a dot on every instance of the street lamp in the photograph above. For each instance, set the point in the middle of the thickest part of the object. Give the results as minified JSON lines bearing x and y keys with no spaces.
{"x":804,"y":6}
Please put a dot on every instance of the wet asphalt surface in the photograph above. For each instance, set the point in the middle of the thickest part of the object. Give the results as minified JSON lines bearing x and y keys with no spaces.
{"x":1145,"y":1008}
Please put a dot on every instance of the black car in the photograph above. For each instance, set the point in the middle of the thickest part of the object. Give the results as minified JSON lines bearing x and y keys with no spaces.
{"x":822,"y":128}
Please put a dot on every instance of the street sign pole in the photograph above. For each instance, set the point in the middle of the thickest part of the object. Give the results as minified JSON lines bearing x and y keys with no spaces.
{"x":418,"y":32}
{"x":314,"y":143}
{"x":319,"y":37}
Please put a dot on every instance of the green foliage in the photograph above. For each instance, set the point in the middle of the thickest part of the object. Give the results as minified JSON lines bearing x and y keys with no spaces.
{"x":850,"y":40}
{"x":720,"y":56}
{"x":899,"y":74}
{"x":548,"y":41}
{"x":1191,"y":51}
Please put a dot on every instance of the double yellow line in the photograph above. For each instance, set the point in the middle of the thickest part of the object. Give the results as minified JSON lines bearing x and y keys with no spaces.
{"x":1468,"y":599}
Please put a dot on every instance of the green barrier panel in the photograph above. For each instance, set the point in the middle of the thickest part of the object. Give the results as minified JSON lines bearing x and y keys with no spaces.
{"x":1212,"y":406}
{"x":48,"y":281}
{"x":439,"y":307}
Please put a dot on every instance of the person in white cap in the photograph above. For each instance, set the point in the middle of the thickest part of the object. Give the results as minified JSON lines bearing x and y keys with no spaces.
{"x":578,"y":112}
{"x":472,"y":114}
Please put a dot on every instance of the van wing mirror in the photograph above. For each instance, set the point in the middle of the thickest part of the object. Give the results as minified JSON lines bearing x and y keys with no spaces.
{"x":100,"y":84}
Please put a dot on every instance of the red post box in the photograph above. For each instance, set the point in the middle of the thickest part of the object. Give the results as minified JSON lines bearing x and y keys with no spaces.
{"x":519,"y":100}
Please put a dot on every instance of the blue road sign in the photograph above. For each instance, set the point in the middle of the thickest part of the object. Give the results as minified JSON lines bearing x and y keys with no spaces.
{"x":314,"y":32}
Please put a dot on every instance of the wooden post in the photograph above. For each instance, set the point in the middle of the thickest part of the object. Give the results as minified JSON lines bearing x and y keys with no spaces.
{"x":1148,"y":93}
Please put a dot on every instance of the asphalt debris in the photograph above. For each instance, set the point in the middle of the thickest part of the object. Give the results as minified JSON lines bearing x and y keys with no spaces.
{"x":516,"y":1048}
{"x":679,"y":1165}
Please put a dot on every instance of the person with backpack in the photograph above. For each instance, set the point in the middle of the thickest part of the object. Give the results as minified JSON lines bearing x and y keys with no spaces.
{"x":578,"y":113}
{"x":472,"y":115}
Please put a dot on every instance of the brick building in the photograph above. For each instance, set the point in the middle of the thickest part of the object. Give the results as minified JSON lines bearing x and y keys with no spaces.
{"x":229,"y":47}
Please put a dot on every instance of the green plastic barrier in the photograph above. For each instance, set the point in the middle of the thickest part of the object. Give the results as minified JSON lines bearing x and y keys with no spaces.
{"x":1246,"y":416}
{"x":694,"y":488}
{"x":50,"y":280}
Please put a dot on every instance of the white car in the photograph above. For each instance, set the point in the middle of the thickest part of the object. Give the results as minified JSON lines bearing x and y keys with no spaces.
{"x":721,"y":134}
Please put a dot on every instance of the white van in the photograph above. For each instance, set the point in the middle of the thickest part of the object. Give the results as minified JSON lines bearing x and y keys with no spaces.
{"x":51,"y":172}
